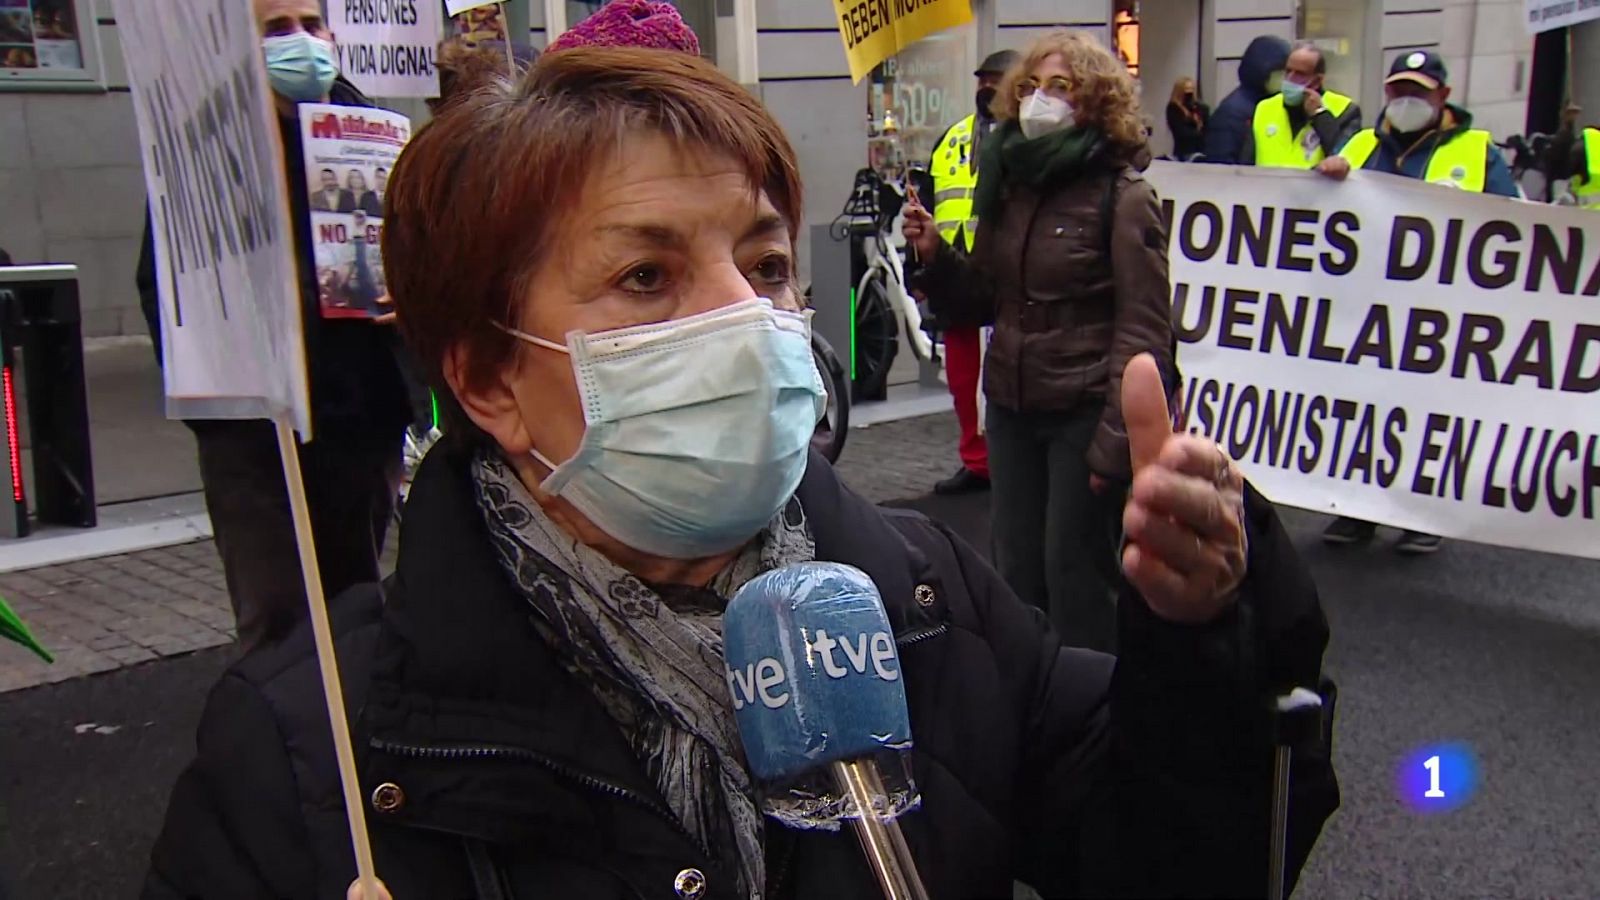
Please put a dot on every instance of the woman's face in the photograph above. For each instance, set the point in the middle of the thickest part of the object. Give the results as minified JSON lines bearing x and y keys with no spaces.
{"x":657,"y":234}
{"x":1050,"y":76}
{"x":358,"y":182}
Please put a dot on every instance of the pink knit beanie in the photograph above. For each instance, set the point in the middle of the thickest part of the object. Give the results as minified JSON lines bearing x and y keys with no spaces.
{"x":632,"y":23}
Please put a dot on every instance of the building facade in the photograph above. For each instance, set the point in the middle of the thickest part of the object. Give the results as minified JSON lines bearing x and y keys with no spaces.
{"x":71,"y":190}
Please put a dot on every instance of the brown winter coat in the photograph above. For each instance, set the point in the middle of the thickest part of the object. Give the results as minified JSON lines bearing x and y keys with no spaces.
{"x":1066,"y":317}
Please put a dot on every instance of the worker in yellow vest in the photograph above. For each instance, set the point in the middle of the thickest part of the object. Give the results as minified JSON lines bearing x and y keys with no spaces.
{"x":1422,"y":135}
{"x":955,"y":175}
{"x":1575,"y":155}
{"x":1300,"y":127}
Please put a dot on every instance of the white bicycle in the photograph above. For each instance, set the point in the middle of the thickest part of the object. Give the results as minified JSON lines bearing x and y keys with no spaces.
{"x":883,"y":304}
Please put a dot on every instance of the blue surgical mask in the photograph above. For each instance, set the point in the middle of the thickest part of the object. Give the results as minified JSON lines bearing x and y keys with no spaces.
{"x":300,"y":66}
{"x":697,"y":430}
{"x":1294,"y":93}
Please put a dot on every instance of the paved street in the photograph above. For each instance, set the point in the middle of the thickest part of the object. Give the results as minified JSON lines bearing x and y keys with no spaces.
{"x":1496,"y":648}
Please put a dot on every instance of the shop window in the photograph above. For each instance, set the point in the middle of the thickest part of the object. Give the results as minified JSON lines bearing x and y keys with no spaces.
{"x":916,"y":95}
{"x":1125,"y":34}
{"x":1338,"y":29}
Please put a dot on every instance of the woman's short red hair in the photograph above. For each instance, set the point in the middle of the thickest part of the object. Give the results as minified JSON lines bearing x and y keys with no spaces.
{"x":475,"y":198}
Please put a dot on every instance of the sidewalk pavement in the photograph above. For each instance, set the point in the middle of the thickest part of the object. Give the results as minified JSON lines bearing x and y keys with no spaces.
{"x":103,"y":614}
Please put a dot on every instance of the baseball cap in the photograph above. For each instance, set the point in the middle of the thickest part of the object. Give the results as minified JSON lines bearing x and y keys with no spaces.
{"x":997,"y":63}
{"x":1425,"y":67}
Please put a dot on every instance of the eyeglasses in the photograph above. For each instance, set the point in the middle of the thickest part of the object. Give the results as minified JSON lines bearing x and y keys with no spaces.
{"x":1056,"y":86}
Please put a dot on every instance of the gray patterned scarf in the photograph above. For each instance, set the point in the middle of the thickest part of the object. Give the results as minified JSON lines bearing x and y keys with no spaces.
{"x":655,"y":665}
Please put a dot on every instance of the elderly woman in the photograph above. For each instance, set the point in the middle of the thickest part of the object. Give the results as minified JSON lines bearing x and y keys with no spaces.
{"x":1071,"y":266}
{"x":540,"y":707}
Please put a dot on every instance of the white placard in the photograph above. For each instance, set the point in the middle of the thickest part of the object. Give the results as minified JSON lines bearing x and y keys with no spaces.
{"x":1543,"y":15}
{"x":456,"y":7}
{"x":1397,"y":351}
{"x":230,"y":292}
{"x":349,"y":152}
{"x":387,"y":48}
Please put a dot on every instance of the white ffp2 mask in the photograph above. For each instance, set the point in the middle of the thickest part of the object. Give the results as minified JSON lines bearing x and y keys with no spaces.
{"x":1042,"y":114}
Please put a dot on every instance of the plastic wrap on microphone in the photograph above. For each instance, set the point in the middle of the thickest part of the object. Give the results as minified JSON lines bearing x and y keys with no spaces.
{"x":815,"y":679}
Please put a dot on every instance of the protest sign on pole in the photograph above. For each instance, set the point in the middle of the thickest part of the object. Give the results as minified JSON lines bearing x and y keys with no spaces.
{"x":1543,"y":15}
{"x":874,"y":30}
{"x":1392,"y":350}
{"x":349,"y":152}
{"x":387,"y":49}
{"x":229,"y":285}
{"x":230,"y":304}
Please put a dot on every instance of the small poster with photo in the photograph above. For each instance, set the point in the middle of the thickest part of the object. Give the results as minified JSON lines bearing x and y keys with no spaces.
{"x":349,"y":152}
{"x":39,"y":34}
{"x":481,"y":23}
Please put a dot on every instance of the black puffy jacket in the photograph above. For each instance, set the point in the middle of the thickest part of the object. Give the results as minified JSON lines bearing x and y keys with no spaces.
{"x":490,"y":773}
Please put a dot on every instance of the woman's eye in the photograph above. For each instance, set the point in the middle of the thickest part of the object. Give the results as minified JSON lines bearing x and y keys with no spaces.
{"x":644,"y":279}
{"x":773,"y":269}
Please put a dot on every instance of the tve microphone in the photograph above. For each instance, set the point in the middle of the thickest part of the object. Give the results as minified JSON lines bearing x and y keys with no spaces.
{"x":816,"y":684}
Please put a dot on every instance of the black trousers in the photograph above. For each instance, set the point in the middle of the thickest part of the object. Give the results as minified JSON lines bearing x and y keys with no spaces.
{"x":350,"y":489}
{"x":1055,"y":540}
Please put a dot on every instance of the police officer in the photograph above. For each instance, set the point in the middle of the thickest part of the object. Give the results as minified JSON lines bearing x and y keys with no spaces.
{"x":1299,"y":127}
{"x":955,"y":175}
{"x":1421,"y":135}
{"x":1575,"y":155}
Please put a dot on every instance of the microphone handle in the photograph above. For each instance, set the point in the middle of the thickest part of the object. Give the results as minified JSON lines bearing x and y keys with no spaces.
{"x":881,"y":838}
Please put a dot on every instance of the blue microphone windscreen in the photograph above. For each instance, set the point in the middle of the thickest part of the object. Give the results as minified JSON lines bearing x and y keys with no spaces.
{"x":812,"y":666}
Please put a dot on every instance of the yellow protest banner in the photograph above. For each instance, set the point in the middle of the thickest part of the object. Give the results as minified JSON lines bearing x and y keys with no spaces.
{"x":874,"y":30}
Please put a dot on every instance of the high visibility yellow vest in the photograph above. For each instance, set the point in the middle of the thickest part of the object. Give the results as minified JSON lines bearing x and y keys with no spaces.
{"x":1588,"y":190}
{"x":955,"y":177}
{"x":1278,"y":145}
{"x":1461,"y":162}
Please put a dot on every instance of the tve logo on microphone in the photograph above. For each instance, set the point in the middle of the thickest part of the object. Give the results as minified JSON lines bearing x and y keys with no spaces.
{"x":813,"y":670}
{"x":864,"y":653}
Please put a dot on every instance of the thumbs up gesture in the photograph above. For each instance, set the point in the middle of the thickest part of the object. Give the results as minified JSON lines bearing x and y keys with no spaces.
{"x":1184,"y":520}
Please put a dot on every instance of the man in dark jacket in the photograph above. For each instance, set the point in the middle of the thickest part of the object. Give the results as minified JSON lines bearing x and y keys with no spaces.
{"x":359,"y":411}
{"x":490,"y":771}
{"x":1260,"y":76}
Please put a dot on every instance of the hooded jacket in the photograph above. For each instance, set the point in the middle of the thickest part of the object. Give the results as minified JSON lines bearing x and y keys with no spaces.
{"x":492,"y":772}
{"x":1230,"y":121}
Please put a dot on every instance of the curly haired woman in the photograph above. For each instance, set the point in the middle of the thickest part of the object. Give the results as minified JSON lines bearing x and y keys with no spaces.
{"x":1071,"y":265}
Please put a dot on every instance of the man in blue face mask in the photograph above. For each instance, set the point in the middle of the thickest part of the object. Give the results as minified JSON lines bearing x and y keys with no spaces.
{"x":358,"y":400}
{"x":1305,"y":123}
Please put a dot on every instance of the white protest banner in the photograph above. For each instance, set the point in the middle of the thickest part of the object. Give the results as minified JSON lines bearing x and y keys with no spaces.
{"x":1543,"y":15}
{"x":387,"y":47}
{"x":349,"y":152}
{"x":230,"y":299}
{"x":1392,"y":350}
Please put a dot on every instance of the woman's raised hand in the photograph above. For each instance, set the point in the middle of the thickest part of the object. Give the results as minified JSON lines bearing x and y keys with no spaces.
{"x":918,"y":230}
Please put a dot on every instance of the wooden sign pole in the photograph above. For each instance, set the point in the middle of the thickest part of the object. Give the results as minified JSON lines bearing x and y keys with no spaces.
{"x":333,"y":691}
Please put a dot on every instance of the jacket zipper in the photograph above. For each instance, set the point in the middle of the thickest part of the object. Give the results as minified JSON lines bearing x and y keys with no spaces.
{"x":918,"y":637}
{"x":518,"y":754}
